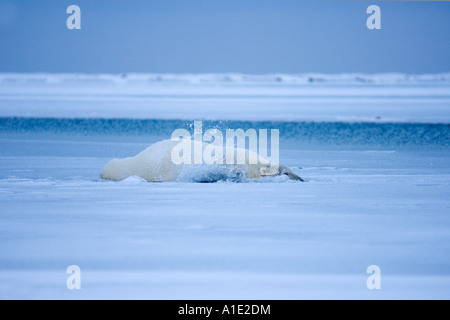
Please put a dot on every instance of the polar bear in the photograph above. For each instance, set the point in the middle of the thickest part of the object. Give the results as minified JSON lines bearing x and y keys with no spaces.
{"x":155,"y":164}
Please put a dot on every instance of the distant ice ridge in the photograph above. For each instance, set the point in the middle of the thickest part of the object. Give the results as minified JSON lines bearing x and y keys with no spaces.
{"x":226,"y":78}
{"x":392,"y":97}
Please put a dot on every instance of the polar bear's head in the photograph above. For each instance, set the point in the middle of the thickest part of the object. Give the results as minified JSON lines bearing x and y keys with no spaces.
{"x":279,"y":171}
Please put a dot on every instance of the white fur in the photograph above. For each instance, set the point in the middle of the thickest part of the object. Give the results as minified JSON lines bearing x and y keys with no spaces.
{"x":154,"y":164}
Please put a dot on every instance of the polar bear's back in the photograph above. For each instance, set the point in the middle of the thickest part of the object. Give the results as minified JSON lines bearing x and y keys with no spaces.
{"x":153,"y":164}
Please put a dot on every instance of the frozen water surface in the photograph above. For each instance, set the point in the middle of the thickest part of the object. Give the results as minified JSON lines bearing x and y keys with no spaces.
{"x":376,"y":193}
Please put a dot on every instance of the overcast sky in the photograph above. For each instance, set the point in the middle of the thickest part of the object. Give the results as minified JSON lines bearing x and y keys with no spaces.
{"x":246,"y":36}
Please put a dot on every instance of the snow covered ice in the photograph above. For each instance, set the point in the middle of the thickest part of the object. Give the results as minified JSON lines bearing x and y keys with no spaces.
{"x":373,"y":149}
